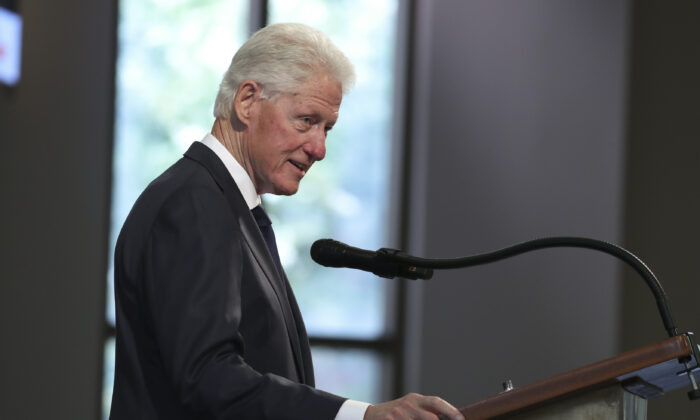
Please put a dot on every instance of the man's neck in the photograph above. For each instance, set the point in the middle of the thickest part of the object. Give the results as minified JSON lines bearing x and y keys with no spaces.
{"x":230,"y":139}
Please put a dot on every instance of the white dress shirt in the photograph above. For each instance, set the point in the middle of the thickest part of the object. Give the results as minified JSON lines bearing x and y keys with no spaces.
{"x":350,"y":410}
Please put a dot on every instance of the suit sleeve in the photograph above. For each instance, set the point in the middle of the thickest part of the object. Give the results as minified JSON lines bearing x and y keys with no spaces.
{"x":193,"y":265}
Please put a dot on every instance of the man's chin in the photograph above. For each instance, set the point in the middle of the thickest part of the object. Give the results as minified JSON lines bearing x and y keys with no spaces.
{"x":287,"y":189}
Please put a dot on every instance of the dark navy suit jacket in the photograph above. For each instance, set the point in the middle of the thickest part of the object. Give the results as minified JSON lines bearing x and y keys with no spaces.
{"x":206,"y":326}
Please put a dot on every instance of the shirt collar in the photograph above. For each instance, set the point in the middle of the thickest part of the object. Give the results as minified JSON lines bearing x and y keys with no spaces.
{"x":239,"y":175}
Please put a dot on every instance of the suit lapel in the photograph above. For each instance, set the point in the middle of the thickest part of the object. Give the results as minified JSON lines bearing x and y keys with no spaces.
{"x":251,"y":233}
{"x":304,"y":338}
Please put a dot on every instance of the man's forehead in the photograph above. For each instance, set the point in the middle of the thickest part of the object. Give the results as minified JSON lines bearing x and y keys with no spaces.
{"x":321,"y":86}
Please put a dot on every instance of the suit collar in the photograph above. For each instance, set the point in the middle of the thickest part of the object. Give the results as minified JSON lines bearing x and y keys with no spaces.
{"x":237,"y":172}
{"x":211,"y":162}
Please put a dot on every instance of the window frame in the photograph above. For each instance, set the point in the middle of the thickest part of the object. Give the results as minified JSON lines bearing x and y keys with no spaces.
{"x":389,"y":346}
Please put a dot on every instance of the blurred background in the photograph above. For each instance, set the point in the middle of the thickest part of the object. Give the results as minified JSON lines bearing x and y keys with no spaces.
{"x":473,"y":125}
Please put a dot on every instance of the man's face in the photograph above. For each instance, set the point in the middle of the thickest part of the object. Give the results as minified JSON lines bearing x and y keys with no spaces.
{"x":286,"y":135}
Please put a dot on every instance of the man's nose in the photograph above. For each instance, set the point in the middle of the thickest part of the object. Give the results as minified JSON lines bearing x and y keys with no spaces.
{"x":316,"y":146}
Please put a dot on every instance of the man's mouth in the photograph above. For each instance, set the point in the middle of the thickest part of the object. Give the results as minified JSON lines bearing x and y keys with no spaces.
{"x":303,"y":168}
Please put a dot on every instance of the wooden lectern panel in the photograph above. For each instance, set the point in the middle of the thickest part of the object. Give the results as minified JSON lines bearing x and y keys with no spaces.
{"x":603,"y":373}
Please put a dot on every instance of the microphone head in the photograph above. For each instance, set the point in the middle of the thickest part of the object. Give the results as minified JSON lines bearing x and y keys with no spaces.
{"x":328,"y":252}
{"x":331,"y":253}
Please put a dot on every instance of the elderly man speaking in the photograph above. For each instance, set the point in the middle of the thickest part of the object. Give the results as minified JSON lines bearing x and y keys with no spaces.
{"x":207,"y":324}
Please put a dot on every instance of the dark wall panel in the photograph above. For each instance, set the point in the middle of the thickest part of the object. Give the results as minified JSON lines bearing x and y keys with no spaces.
{"x":523,"y":110}
{"x":663,"y":176}
{"x":55,"y":138}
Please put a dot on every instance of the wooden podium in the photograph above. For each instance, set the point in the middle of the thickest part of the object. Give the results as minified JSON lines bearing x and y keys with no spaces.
{"x":614,"y":388}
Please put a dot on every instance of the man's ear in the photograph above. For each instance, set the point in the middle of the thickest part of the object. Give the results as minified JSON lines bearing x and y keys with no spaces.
{"x":247,"y":94}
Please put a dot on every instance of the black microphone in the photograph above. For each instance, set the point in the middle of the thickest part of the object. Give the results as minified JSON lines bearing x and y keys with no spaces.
{"x":331,"y":253}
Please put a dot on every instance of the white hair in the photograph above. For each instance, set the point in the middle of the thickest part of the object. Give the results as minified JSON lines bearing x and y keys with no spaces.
{"x":282,"y":57}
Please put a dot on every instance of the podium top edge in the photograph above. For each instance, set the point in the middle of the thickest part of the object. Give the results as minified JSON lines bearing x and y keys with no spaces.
{"x":595,"y":375}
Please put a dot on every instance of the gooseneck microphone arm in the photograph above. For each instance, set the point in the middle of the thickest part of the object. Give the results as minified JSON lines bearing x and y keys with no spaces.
{"x":391,"y":256}
{"x":557,"y":242}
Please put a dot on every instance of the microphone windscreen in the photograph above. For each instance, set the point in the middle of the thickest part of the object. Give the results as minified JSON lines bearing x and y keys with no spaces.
{"x":328,"y":252}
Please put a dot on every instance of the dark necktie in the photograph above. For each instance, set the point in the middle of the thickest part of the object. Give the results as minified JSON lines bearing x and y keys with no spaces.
{"x":301,"y":358}
{"x":268,"y":234}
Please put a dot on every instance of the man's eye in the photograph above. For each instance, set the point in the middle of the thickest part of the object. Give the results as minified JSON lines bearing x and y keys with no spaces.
{"x":306,"y":120}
